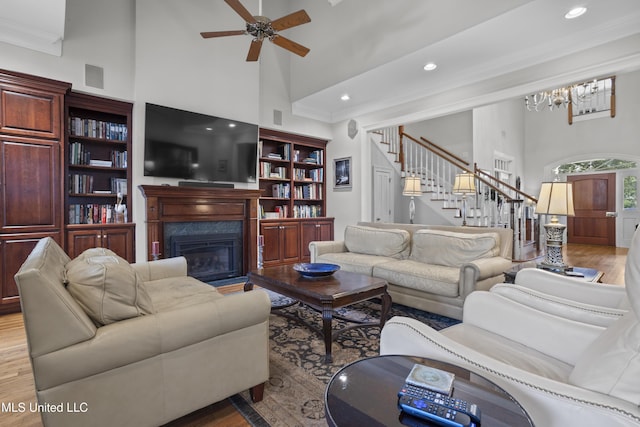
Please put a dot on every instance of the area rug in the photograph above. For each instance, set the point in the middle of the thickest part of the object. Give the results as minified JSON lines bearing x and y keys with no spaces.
{"x":294,"y":394}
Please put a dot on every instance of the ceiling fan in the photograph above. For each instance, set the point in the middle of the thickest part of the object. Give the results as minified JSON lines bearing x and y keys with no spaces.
{"x":261,"y":27}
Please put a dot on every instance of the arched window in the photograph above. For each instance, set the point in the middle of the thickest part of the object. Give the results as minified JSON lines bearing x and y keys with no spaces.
{"x":595,"y":165}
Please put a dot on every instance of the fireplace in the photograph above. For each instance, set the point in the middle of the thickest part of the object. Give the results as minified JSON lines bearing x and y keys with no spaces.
{"x":210,"y":257}
{"x":216,"y":223}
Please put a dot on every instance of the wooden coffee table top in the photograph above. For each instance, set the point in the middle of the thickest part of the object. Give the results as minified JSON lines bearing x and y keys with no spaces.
{"x":340,"y":289}
{"x":324,"y":294}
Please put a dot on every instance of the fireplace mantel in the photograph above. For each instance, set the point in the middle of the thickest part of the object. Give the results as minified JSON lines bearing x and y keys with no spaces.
{"x":166,"y":203}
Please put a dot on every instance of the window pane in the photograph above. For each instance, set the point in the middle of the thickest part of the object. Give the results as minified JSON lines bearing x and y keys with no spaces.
{"x":630,"y":195}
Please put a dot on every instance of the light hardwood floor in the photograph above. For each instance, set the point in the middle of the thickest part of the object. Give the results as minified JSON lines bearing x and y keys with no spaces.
{"x":16,"y":380}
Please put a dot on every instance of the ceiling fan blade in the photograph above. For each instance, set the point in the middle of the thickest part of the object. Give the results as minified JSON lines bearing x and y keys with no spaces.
{"x":209,"y":34}
{"x":292,"y":20}
{"x":241,"y":10}
{"x":254,"y":50}
{"x":290,"y":45}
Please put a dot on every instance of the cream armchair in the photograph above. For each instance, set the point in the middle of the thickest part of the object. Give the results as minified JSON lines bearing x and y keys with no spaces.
{"x":155,"y":345}
{"x":564,"y":372}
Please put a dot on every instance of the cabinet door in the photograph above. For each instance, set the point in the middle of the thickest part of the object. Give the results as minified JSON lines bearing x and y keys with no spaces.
{"x":14,"y":250}
{"x":80,"y":240}
{"x":290,"y":235}
{"x":314,"y":231}
{"x":30,"y":112}
{"x":271,"y":250}
{"x":309,"y":232}
{"x":120,"y":241}
{"x":31,"y":194}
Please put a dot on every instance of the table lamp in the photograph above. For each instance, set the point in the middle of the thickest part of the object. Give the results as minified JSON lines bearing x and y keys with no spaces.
{"x":412,"y":188}
{"x":465,"y":183}
{"x":556,"y":198}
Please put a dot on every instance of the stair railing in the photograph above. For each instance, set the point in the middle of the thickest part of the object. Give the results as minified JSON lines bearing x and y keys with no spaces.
{"x":497,"y":203}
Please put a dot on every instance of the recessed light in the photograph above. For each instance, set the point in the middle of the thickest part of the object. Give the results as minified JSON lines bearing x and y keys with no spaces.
{"x":575,"y":12}
{"x":208,"y":128}
{"x":430,"y":66}
{"x":232,"y":125}
{"x":345,"y":97}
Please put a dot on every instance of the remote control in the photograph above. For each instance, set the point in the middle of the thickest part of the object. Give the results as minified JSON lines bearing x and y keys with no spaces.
{"x":450,"y":402}
{"x":434,"y":413}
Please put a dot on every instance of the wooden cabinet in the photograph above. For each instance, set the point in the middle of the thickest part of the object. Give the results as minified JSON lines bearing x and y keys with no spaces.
{"x":116,"y":237}
{"x":293,"y":196}
{"x":98,"y":175}
{"x":291,"y":175}
{"x":31,"y":150}
{"x":314,"y":230}
{"x":281,"y":242}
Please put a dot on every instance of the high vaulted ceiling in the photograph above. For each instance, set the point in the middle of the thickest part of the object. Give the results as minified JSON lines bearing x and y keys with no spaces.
{"x":375,"y":50}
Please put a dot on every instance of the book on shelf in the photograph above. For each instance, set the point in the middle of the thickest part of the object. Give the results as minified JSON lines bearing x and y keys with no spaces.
{"x":103,"y":163}
{"x":119,"y":185}
{"x":97,"y":129}
{"x":280,"y":191}
{"x":80,"y":183}
{"x":91,"y":213}
{"x":307,"y":211}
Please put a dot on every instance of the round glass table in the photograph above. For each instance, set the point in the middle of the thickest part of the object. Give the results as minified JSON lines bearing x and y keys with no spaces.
{"x":365,"y":393}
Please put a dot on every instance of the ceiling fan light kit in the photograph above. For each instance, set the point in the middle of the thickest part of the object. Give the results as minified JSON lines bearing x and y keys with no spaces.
{"x":260,"y":28}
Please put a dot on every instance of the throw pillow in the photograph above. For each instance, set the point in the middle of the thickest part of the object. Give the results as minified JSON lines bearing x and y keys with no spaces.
{"x":453,"y":249}
{"x":388,"y":242}
{"x":107,"y":287}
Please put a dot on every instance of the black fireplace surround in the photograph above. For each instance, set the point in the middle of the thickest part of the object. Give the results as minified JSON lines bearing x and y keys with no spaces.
{"x":213,"y":250}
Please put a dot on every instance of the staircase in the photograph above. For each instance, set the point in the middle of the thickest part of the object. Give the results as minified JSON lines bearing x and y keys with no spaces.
{"x":494,"y":204}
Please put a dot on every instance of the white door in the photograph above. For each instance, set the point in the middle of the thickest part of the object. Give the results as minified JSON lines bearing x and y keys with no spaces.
{"x":628,"y":214}
{"x":382,"y":195}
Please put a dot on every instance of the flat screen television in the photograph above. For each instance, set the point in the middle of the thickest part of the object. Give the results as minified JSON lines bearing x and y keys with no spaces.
{"x":187,"y":145}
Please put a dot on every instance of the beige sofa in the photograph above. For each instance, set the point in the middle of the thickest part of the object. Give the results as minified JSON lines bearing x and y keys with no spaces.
{"x":113,"y":344}
{"x":432,"y":268}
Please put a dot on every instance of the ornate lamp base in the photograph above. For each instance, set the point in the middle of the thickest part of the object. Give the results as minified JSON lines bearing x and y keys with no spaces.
{"x":412,"y":210}
{"x":553,"y":258}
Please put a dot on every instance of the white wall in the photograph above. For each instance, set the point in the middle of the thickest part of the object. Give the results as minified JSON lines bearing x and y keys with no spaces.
{"x":96,"y":33}
{"x":499,"y":129}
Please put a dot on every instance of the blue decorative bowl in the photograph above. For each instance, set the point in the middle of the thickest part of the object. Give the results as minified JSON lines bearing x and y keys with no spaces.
{"x":316,"y":269}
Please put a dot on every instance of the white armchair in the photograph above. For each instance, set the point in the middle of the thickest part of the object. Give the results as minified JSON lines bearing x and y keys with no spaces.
{"x":599,"y":294}
{"x":562,"y":370}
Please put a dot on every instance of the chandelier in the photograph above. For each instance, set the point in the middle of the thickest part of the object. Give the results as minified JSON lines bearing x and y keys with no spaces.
{"x":563,"y":96}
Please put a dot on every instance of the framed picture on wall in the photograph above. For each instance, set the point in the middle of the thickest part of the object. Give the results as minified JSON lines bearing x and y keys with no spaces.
{"x":342,"y":169}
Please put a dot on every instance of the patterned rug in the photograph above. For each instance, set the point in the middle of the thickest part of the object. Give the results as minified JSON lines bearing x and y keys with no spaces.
{"x":294,"y":394}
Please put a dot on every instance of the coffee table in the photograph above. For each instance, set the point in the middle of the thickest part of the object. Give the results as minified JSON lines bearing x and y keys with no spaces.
{"x":365,"y":393}
{"x":324,"y":294}
{"x":587,"y":274}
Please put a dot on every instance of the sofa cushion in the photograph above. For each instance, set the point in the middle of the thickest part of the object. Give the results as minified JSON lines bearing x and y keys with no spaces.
{"x":392,"y":243}
{"x":107,"y":287}
{"x":434,"y":279}
{"x":453,"y":249}
{"x":177,"y":292}
{"x":611,"y":364}
{"x":354,"y":262}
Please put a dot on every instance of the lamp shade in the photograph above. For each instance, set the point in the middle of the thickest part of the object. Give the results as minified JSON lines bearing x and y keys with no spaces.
{"x":556,"y":198}
{"x":412,"y":186}
{"x":465,"y":183}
